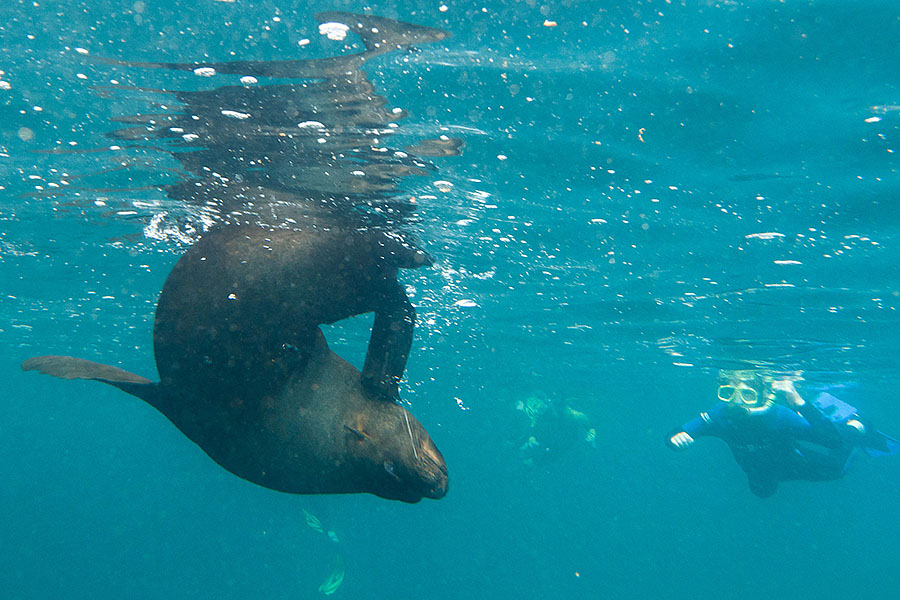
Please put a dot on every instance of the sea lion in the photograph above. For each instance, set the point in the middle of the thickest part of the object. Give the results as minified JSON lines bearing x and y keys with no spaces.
{"x":311,"y":230}
{"x":246,"y":373}
{"x":250,"y":300}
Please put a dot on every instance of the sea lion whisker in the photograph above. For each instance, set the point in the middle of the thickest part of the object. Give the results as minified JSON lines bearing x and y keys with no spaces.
{"x":411,"y":442}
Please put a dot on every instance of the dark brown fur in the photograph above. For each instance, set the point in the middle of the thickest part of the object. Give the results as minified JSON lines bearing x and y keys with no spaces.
{"x":246,"y":373}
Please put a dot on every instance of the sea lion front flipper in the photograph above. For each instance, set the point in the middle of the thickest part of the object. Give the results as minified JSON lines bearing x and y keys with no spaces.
{"x":69,"y":367}
{"x":389,"y":345}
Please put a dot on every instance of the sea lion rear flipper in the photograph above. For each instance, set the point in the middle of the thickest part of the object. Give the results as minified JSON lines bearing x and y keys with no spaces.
{"x":69,"y":367}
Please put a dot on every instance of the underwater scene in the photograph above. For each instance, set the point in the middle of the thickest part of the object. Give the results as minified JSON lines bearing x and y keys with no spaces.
{"x":439,"y":299}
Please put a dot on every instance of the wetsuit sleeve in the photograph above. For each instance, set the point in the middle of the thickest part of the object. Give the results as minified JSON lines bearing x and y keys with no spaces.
{"x":807,"y":423}
{"x":705,"y":424}
{"x":820,"y":430}
{"x":700,"y":426}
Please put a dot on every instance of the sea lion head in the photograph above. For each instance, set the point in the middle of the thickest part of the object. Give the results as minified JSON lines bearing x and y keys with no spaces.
{"x":402,"y":462}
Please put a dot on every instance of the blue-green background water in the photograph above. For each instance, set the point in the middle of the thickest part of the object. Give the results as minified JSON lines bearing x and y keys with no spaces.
{"x":612,"y":257}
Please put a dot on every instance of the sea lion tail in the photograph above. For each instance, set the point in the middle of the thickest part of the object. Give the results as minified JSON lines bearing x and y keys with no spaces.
{"x":69,"y":367}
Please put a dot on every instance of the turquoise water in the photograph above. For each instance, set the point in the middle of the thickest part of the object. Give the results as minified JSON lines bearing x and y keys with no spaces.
{"x":648,"y":192}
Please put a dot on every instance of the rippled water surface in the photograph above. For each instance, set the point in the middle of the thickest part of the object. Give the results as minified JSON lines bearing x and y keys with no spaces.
{"x":647,"y":192}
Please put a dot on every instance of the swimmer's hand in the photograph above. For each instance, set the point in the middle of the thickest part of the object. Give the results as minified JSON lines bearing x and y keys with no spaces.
{"x":681,"y":440}
{"x":791,"y":397}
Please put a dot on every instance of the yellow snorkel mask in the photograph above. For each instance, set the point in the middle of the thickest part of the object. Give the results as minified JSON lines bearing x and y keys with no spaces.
{"x":744,"y":389}
{"x":738,"y":393}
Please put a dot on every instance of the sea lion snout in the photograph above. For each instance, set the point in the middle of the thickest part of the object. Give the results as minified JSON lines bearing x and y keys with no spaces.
{"x":433,"y":470}
{"x":427,"y":479}
{"x":410,"y":465}
{"x":426,"y":463}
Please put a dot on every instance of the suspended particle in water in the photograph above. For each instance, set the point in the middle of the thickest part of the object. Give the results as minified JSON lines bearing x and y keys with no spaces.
{"x":334,"y":31}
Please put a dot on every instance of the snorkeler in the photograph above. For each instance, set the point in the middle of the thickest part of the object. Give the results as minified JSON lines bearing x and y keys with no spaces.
{"x":800,"y":440}
{"x":551,"y":426}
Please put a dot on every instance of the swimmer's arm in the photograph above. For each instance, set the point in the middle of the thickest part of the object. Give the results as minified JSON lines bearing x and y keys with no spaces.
{"x":683,"y":438}
{"x":805,"y":421}
{"x":816,"y":427}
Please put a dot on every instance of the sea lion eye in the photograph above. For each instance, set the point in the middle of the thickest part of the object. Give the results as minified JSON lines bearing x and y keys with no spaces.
{"x":389,"y":467}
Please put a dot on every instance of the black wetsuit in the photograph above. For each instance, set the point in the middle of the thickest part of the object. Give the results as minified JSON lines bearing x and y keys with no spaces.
{"x":777,"y":444}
